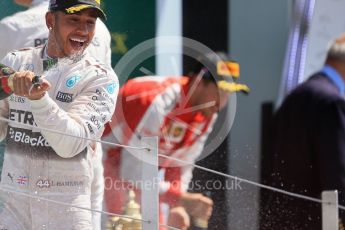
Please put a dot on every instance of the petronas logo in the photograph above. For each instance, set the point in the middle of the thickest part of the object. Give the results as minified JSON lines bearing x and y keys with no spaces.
{"x":72,"y":81}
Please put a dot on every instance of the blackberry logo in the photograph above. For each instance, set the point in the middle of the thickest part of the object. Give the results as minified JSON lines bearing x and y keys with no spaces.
{"x":11,"y":133}
{"x":22,"y":137}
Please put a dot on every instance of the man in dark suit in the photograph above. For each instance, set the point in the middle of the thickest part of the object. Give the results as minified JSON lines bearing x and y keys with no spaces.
{"x":309,"y":146}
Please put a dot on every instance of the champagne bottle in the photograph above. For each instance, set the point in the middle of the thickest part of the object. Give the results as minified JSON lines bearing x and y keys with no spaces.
{"x":199,"y":223}
{"x":6,"y":81}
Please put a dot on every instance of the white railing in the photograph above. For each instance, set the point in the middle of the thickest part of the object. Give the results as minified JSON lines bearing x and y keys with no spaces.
{"x":150,"y":198}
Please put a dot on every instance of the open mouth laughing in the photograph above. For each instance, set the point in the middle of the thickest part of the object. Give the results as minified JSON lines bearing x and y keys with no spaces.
{"x":78,"y":43}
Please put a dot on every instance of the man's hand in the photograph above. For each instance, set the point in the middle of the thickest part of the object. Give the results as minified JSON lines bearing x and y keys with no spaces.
{"x":22,"y":83}
{"x":179,"y":218}
{"x":197,"y":205}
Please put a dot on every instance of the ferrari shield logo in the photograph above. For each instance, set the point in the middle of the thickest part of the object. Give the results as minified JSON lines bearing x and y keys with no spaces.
{"x":177,"y":131}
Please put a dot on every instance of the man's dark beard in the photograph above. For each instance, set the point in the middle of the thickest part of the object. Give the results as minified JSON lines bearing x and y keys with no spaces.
{"x":75,"y":57}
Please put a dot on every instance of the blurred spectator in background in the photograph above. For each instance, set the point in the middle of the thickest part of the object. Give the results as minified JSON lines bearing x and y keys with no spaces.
{"x":309,"y":146}
{"x":28,"y":29}
{"x":181,"y":111}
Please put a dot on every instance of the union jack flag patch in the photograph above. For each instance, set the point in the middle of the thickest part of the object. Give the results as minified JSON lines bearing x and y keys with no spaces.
{"x":23,"y":180}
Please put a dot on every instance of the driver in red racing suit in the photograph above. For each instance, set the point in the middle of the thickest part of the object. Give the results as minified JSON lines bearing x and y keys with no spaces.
{"x":181,"y":111}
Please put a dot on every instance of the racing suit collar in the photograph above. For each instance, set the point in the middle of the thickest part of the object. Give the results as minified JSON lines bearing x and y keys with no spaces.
{"x":47,"y":61}
{"x":66,"y":60}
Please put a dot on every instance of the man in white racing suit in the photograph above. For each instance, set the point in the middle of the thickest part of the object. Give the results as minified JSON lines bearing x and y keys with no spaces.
{"x":76,"y":97}
{"x":28,"y":29}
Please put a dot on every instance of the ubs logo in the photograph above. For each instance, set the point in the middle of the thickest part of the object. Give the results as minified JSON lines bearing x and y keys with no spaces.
{"x":27,"y":66}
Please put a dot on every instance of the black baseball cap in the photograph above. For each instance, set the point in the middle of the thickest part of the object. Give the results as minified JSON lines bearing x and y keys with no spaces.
{"x":74,"y":6}
{"x":221,"y":69}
